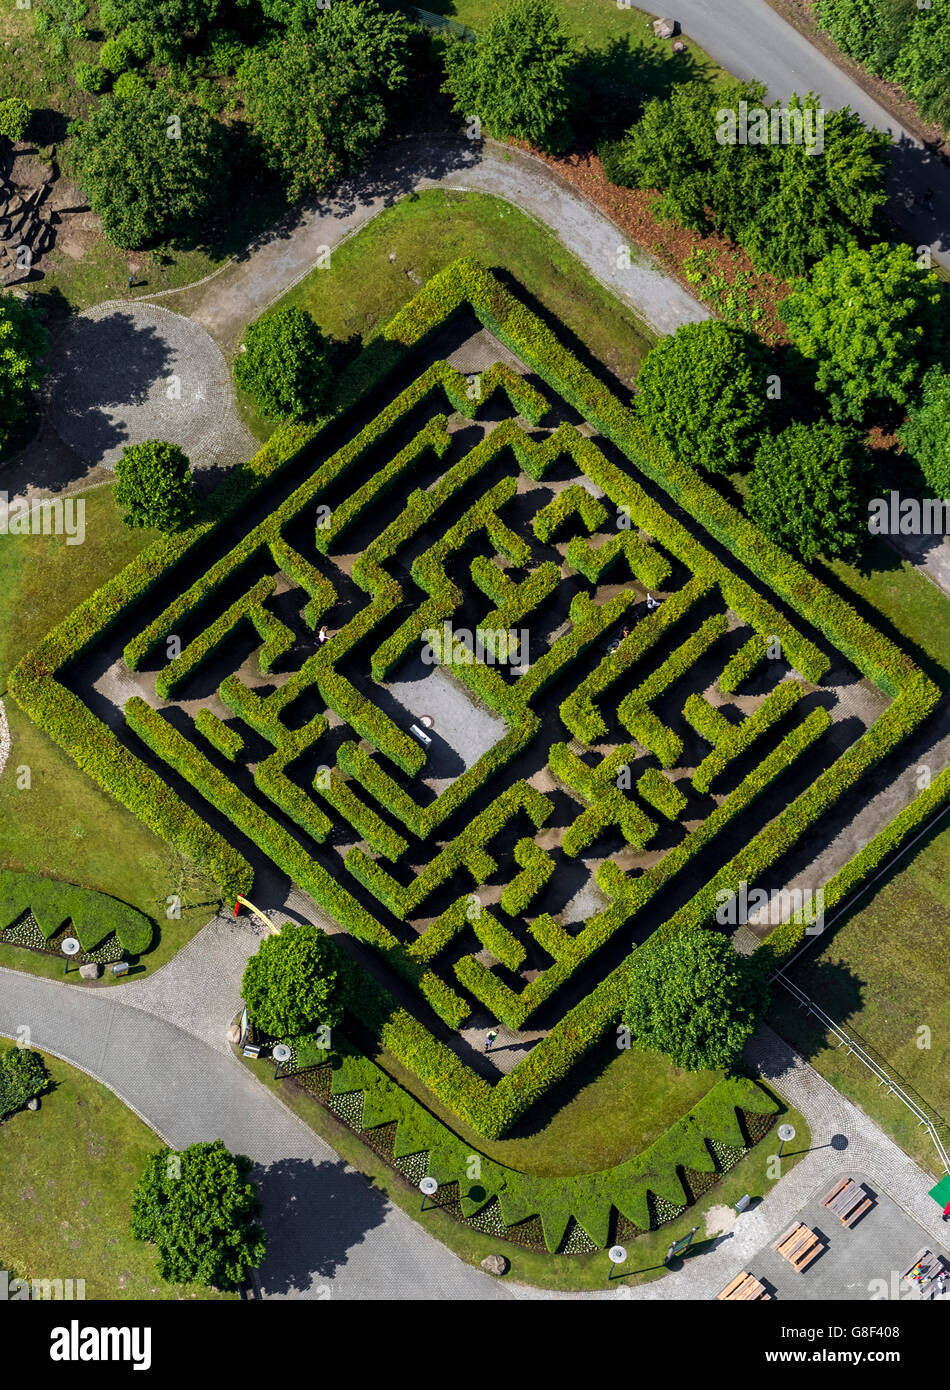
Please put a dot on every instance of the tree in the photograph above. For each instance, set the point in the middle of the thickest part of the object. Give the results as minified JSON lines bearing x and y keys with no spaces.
{"x":702,"y":392}
{"x":23,"y":341}
{"x":153,"y":169}
{"x":319,"y":98}
{"x":926,"y":435}
{"x":285,"y":365}
{"x":517,"y":75}
{"x":868,"y":320}
{"x":23,"y":1075}
{"x":694,"y":998}
{"x":809,"y":490}
{"x":199,"y":1210}
{"x":153,"y":483}
{"x":14,"y":118}
{"x":295,"y":982}
{"x":924,"y":59}
{"x":872,"y":31}
{"x":168,"y":23}
{"x":830,"y":186}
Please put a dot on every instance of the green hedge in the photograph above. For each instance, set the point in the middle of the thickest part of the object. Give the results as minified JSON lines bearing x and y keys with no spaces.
{"x":220,"y":735}
{"x":661,"y":793}
{"x":746,"y":661}
{"x":93,"y":916}
{"x":572,"y":501}
{"x":537,"y":866}
{"x":739,"y":739}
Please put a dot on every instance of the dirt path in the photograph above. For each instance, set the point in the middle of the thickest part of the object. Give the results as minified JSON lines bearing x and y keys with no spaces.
{"x":227,"y":302}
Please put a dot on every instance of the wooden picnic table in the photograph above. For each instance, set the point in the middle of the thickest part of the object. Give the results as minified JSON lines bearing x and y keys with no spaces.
{"x":799,"y":1245}
{"x":930,"y":1265}
{"x":848,"y":1201}
{"x":745,"y":1288}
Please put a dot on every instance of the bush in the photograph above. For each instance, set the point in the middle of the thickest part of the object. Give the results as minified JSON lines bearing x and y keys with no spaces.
{"x":23,"y":342}
{"x":129,"y":86}
{"x":14,"y":118}
{"x":295,"y":983}
{"x":926,"y":435}
{"x":23,"y":1075}
{"x":516,"y":75}
{"x":868,"y":320}
{"x":693,"y":998}
{"x":153,"y":484}
{"x":115,"y":55}
{"x":90,"y":77}
{"x":145,"y":186}
{"x":285,"y":365}
{"x":702,"y":393}
{"x":200,"y":1211}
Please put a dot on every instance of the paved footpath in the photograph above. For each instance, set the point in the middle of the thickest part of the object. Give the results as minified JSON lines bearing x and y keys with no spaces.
{"x":227,"y":302}
{"x":158,"y":1045}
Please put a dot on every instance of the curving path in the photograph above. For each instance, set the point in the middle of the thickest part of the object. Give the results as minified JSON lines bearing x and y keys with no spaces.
{"x":226,"y":303}
{"x":158,"y":1045}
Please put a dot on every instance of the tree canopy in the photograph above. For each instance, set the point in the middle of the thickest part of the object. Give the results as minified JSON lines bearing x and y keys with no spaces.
{"x":153,"y":169}
{"x":295,"y":982}
{"x":198,"y":1209}
{"x":319,"y":97}
{"x":810,"y":488}
{"x":285,"y":365}
{"x":703,"y":393}
{"x":23,"y":341}
{"x":153,"y":483}
{"x":23,"y":1075}
{"x":693,"y":998}
{"x":926,"y":435}
{"x":516,"y":76}
{"x":754,"y":192}
{"x":868,"y":319}
{"x":903,"y":40}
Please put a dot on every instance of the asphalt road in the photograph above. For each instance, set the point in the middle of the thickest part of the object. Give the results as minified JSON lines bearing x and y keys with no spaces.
{"x":751,"y":40}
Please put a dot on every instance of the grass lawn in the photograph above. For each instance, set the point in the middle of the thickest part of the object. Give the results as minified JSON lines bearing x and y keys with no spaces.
{"x":63,"y":825}
{"x":69,"y":1172}
{"x":620,"y":1103}
{"x":564,"y":1272}
{"x":358,"y":296}
{"x":594,"y":24}
{"x":881,"y":973}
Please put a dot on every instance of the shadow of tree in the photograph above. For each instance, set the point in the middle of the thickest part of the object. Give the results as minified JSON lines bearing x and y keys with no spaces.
{"x":314,"y":1213}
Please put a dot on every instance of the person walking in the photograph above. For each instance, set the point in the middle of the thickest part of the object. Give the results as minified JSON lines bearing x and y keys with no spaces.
{"x":490,"y":1038}
{"x":323,"y":636}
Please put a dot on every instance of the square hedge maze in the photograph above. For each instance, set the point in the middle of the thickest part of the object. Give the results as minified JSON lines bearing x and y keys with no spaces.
{"x":480,"y":540}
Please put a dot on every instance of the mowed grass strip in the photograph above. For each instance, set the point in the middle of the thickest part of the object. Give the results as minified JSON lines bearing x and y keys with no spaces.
{"x":69,"y":1172}
{"x":881,"y":973}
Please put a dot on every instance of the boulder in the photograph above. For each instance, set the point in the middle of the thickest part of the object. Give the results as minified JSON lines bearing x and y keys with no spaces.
{"x":494,"y":1264}
{"x":234,"y":1033}
{"x":665,"y":28}
{"x":91,"y":971}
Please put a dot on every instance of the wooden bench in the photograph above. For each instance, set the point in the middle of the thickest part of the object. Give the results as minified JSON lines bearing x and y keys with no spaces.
{"x":799,"y":1245}
{"x":744,"y":1288}
{"x":848,"y":1201}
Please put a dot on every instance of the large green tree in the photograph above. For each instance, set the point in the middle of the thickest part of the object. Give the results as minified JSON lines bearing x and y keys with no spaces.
{"x":199,"y":1211}
{"x":319,"y":98}
{"x":924,"y":61}
{"x":872,"y":31}
{"x":516,"y":76}
{"x":295,"y":981}
{"x":926,"y":435}
{"x":23,"y":1075}
{"x":285,"y":365}
{"x":810,"y":488}
{"x":153,"y":168}
{"x":703,"y":393}
{"x":829,"y":186}
{"x":867,"y":319}
{"x":23,"y":341}
{"x":154,"y":484}
{"x":694,"y":998}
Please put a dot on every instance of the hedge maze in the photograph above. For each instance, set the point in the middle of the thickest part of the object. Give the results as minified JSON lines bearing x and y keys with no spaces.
{"x":643,"y":759}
